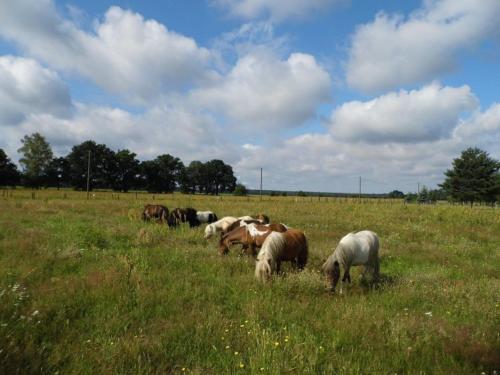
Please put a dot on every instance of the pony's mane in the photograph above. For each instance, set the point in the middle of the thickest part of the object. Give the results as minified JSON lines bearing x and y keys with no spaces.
{"x":272,"y":247}
{"x":266,"y":259}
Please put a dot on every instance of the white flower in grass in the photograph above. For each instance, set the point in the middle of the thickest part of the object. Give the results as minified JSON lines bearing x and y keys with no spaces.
{"x":428,"y":313}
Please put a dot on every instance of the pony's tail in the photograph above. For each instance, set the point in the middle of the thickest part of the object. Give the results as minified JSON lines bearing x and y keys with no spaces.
{"x":303,"y":255}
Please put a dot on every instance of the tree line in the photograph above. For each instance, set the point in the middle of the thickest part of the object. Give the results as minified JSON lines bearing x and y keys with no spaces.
{"x":474,"y":176}
{"x":120,"y":170}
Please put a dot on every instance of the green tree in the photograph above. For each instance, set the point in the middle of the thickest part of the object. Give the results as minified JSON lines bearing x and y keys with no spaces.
{"x":396,"y":194}
{"x":192,"y":178}
{"x":163,"y":174}
{"x":423,"y":195}
{"x":37,"y":155}
{"x":102,"y":166}
{"x":9,"y":175}
{"x":240,"y":190}
{"x":474,"y":177}
{"x":56,"y":173}
{"x":218,"y":177}
{"x":126,"y":170}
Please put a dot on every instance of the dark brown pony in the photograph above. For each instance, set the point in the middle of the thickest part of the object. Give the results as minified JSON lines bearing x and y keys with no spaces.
{"x":184,"y":215}
{"x":289,"y":246}
{"x":155,"y":211}
{"x":250,"y":236}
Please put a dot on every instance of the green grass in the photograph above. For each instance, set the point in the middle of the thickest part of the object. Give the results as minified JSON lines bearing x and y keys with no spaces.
{"x":86,"y":287}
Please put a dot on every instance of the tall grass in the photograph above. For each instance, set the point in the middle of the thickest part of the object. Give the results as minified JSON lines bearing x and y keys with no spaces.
{"x":86,"y":287}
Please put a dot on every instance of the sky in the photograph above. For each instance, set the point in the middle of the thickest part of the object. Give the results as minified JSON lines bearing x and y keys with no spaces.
{"x":318,"y":93}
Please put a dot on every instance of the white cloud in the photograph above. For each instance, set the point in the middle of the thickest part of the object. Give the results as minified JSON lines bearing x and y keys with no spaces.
{"x":406,"y":116}
{"x":263,"y":92}
{"x":125,"y":54}
{"x":277,"y":10}
{"x":325,"y":162}
{"x":392,"y":50}
{"x":178,"y":131}
{"x":27,"y":87}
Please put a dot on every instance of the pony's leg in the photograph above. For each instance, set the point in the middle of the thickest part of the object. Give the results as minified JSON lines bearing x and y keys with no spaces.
{"x":278,"y":267}
{"x":376,"y":270}
{"x":347,"y":275}
{"x":253,"y":250}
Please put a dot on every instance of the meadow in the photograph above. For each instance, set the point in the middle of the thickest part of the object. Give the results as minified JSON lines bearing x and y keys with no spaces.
{"x":87,"y":288}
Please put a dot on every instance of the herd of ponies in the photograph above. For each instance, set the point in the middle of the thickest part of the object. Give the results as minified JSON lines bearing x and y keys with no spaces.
{"x":274,"y":243}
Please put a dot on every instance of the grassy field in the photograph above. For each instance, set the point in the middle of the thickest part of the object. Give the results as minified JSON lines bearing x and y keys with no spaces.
{"x":86,"y":287}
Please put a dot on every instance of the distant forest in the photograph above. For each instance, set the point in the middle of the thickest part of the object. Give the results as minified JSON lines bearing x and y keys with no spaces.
{"x":119,"y":171}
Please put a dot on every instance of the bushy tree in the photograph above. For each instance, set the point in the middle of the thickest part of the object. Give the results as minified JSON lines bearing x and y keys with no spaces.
{"x":56,"y":174}
{"x":423,"y":195}
{"x":9,"y":175}
{"x":474,"y":177}
{"x":192,"y":178}
{"x":126,"y":170}
{"x":102,"y":166}
{"x":396,"y":194}
{"x":163,"y":174}
{"x":218,"y":177}
{"x":37,"y":155}
{"x":240,"y":190}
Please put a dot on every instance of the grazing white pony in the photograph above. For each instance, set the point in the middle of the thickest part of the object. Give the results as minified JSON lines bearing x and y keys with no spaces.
{"x":280,"y":247}
{"x":354,"y":249}
{"x":219,"y":226}
{"x":206,"y":216}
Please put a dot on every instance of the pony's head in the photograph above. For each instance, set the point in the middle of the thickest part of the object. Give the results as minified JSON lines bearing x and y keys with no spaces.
{"x":265,"y":265}
{"x":264,"y":219}
{"x":223,"y":246}
{"x":209,"y":231}
{"x":172,"y":220}
{"x":331,"y":269}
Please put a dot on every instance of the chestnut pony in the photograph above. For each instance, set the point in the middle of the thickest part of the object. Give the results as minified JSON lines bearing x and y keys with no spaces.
{"x":155,"y":211}
{"x":250,"y":236}
{"x":289,"y":246}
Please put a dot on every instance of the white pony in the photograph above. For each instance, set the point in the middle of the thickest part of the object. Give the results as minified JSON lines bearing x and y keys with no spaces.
{"x":354,"y":249}
{"x":280,"y":247}
{"x":219,"y":226}
{"x":206,"y":216}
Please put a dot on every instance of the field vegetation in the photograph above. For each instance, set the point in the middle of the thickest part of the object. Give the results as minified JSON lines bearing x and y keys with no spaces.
{"x":87,"y":287}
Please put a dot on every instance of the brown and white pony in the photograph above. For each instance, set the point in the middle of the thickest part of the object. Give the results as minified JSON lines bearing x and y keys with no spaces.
{"x":249,"y":236}
{"x":219,"y":226}
{"x":241,"y":223}
{"x":155,"y":211}
{"x":289,"y":246}
{"x":354,"y":249}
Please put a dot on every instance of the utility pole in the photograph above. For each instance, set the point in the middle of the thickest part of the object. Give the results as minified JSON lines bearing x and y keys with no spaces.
{"x":88,"y":176}
{"x":418,"y":188}
{"x":360,"y":188}
{"x":261,"y":184}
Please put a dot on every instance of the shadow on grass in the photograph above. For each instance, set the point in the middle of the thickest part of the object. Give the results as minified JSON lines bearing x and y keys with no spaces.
{"x":384,"y":281}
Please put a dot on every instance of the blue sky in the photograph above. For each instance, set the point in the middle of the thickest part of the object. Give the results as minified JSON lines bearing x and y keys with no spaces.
{"x":317,"y":92}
